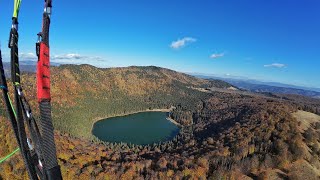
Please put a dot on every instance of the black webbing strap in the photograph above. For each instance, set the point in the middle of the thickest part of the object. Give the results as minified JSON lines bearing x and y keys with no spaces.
{"x":36,"y":145}
{"x":49,"y":149}
{"x":15,"y":75}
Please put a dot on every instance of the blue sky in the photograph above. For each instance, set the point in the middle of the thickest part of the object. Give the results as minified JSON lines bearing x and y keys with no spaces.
{"x":274,"y":40}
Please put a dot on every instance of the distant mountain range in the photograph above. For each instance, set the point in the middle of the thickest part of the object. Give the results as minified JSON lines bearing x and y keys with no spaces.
{"x":273,"y":87}
{"x":25,"y":66}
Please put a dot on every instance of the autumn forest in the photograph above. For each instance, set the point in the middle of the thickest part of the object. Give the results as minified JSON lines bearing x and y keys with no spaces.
{"x":226,"y":133}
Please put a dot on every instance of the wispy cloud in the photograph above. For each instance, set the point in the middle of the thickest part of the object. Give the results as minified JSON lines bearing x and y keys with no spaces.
{"x":275,"y":65}
{"x":68,"y":56}
{"x":73,"y":58}
{"x":28,"y":56}
{"x":217,"y":55}
{"x":180,"y":43}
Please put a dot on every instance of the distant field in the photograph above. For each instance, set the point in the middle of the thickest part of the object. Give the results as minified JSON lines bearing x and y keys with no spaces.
{"x":306,"y":119}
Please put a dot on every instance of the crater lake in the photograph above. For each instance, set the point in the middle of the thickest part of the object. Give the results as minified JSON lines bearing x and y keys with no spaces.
{"x":140,"y":128}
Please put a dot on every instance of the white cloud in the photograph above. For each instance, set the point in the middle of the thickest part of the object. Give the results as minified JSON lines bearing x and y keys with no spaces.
{"x":74,"y":58}
{"x":275,"y":65}
{"x":180,"y":43}
{"x":28,"y":56}
{"x":68,"y":56}
{"x":61,"y":57}
{"x":217,"y":55}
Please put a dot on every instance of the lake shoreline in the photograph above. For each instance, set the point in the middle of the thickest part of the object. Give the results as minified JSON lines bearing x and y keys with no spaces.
{"x":174,"y":122}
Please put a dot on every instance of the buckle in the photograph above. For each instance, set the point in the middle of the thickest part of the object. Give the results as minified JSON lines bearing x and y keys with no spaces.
{"x":47,"y":10}
{"x":38,"y":44}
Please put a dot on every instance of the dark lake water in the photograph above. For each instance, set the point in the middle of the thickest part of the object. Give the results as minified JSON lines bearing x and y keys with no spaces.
{"x":140,"y":128}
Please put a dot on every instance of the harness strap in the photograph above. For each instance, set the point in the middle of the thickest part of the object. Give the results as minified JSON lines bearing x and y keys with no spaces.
{"x":43,"y":93}
{"x":15,"y":75}
{"x":39,"y":151}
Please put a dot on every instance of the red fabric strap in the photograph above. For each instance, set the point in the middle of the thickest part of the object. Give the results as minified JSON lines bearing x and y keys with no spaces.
{"x":43,"y":74}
